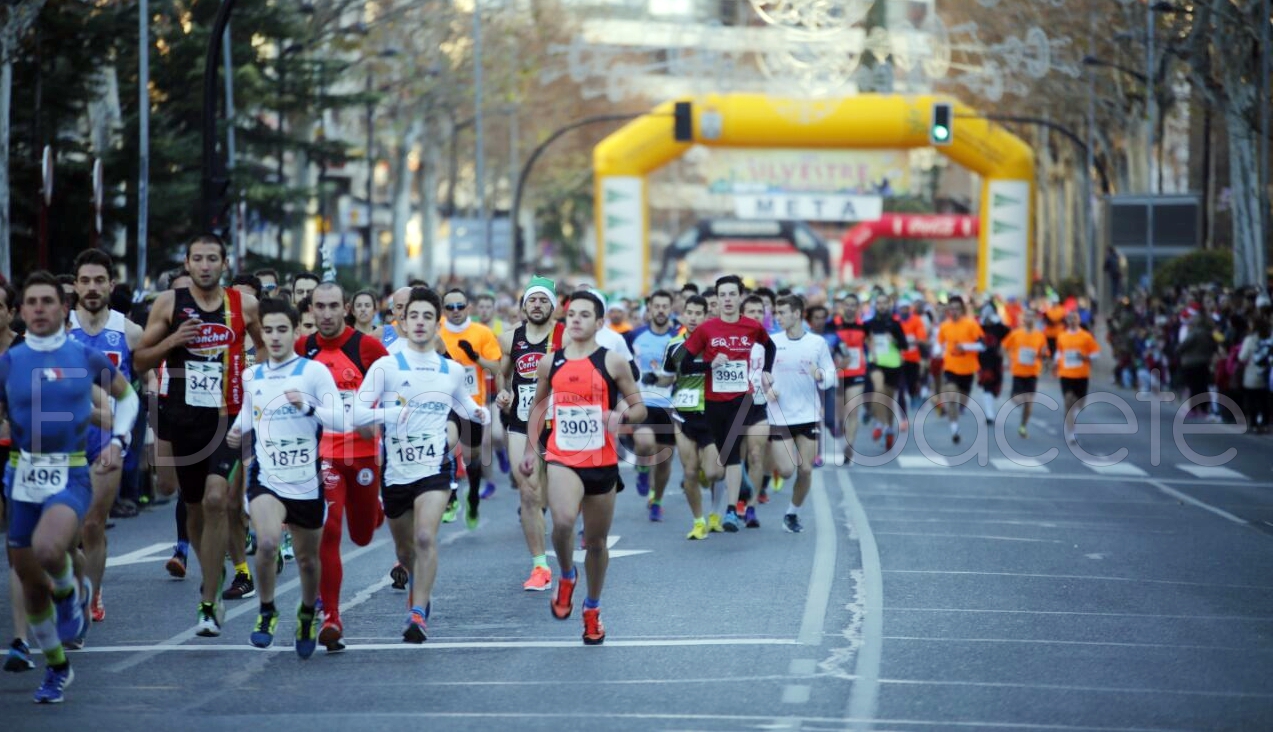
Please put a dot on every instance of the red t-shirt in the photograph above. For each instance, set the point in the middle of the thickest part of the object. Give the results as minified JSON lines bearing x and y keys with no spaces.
{"x":347,"y":357}
{"x":735,"y":340}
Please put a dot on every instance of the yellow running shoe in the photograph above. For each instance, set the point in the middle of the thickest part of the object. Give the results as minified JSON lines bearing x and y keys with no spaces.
{"x":698,"y":532}
{"x":713,"y":523}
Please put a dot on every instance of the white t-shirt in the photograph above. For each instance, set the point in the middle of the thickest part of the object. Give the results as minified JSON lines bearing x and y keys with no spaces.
{"x":799,"y":401}
{"x":285,"y":448}
{"x":612,"y":341}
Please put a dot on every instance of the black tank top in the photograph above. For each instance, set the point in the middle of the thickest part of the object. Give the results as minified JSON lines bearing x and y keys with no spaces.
{"x":526,"y":358}
{"x":205,"y":378}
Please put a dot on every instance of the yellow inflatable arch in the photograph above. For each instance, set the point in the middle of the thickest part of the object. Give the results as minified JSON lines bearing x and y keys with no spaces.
{"x":622,"y":161}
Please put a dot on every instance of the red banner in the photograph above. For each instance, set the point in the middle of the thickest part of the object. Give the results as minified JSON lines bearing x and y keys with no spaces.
{"x":902,"y":226}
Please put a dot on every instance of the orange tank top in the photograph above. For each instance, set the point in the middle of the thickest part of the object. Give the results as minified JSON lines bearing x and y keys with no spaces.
{"x":583,"y":394}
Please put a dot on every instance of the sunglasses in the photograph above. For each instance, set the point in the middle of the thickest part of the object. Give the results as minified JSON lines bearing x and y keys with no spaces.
{"x":456,"y":306}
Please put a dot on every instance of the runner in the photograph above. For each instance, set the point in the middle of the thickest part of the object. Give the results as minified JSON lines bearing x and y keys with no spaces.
{"x":475,"y":348}
{"x":1027,"y":349}
{"x":389,"y":331}
{"x":364,"y":312}
{"x":756,"y":427}
{"x":852,"y":334}
{"x":802,"y":367}
{"x":19,"y":656}
{"x":699,"y":456}
{"x":416,"y":395}
{"x":990,"y":360}
{"x":523,"y":349}
{"x":94,"y":325}
{"x":1076,"y":349}
{"x":46,"y":484}
{"x":289,"y":402}
{"x":727,"y":341}
{"x":165,"y":471}
{"x":302,"y":285}
{"x":959,"y":339}
{"x":655,"y":439}
{"x":585,"y":383}
{"x":200,"y":333}
{"x":350,"y":464}
{"x":913,"y":358}
{"x":888,"y":340}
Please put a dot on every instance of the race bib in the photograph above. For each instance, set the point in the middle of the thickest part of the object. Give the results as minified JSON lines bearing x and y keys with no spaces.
{"x":347,"y":399}
{"x":855,"y":359}
{"x":881,"y":342}
{"x":40,"y":477}
{"x":578,"y":428}
{"x":470,"y":379}
{"x":1072,"y":359}
{"x":686,"y":399}
{"x":525,"y":398}
{"x":290,"y":463}
{"x":203,"y":384}
{"x":730,"y":377}
{"x":1025,"y":356}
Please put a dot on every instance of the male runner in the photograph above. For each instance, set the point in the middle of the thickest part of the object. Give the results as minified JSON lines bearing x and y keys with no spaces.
{"x":412,"y":395}
{"x":1027,"y":349}
{"x":888,"y":340}
{"x":350,"y":464}
{"x":303,"y":285}
{"x":290,"y":400}
{"x":726,"y":343}
{"x":1075,"y":351}
{"x":46,"y":392}
{"x":19,"y":656}
{"x":523,"y":349}
{"x":852,"y":334}
{"x":585,"y":383}
{"x":200,"y":333}
{"x":699,"y":457}
{"x":389,"y":334}
{"x":802,"y":367}
{"x":656,"y":437}
{"x":959,"y":339}
{"x":990,"y":375}
{"x":756,"y":426}
{"x":913,"y":357}
{"x":108,"y":332}
{"x":476,"y":349}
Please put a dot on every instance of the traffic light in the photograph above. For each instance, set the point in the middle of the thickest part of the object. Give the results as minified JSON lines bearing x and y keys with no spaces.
{"x":683,"y":127}
{"x":940,"y":130}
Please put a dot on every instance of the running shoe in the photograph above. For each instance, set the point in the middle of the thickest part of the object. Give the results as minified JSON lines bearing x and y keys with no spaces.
{"x":208,"y":625}
{"x":643,"y":480}
{"x":55,"y":683}
{"x":698,"y":532}
{"x":791,"y":523}
{"x":763,"y":497}
{"x":332,"y":634}
{"x":817,"y":461}
{"x":471,"y":517}
{"x":955,"y":438}
{"x":731,"y":521}
{"x":541,"y":578}
{"x":877,"y":433}
{"x":1022,"y":431}
{"x":241,"y":588}
{"x":889,"y":439}
{"x":289,"y":553}
{"x":263,"y":631}
{"x":69,"y":616}
{"x":400,"y":576}
{"x":778,"y":482}
{"x":739,"y":507}
{"x":502,"y":456}
{"x":19,"y":658}
{"x":714,"y":524}
{"x":306,"y":633}
{"x":750,"y":518}
{"x":563,"y":602}
{"x":250,"y":548}
{"x":594,"y":633}
{"x":452,"y":511}
{"x":417,"y":630}
{"x":176,"y":565}
{"x":488,"y":490}
{"x":656,"y":512}
{"x":98,"y":608}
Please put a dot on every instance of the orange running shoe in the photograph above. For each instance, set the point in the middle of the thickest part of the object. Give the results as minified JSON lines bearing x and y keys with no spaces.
{"x":594,"y":633}
{"x":332,"y":634}
{"x":541,"y":578}
{"x":563,"y":604}
{"x":98,"y":609}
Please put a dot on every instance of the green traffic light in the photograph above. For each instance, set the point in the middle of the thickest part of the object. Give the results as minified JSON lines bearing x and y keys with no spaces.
{"x":941,"y":133}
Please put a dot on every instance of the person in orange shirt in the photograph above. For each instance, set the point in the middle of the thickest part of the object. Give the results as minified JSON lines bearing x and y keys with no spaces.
{"x":1054,"y":323}
{"x":916,"y":338}
{"x":1027,"y":349}
{"x":959,"y":338}
{"x":1075,"y":350}
{"x":476,"y":349}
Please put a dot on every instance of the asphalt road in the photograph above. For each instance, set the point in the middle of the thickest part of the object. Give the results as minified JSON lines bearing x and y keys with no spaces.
{"x":924,"y":594}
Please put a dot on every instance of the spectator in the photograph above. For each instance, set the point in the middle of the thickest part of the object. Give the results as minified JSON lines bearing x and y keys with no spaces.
{"x":1255,"y":356}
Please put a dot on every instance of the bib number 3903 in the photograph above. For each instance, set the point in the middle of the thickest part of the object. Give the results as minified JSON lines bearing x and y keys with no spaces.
{"x":203,"y":384}
{"x":40,"y":477}
{"x":730,"y":377}
{"x":579,"y":428}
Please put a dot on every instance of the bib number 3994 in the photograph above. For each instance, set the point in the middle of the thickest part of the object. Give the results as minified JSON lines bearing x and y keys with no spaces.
{"x":579,"y":428}
{"x":40,"y":477}
{"x":203,"y":384}
{"x":730,"y":377}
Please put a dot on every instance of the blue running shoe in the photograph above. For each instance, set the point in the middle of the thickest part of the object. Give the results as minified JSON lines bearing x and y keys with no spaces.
{"x":502,"y":456}
{"x":750,"y":518}
{"x":643,"y":481}
{"x":263,"y":632}
{"x":306,"y":634}
{"x":55,"y":682}
{"x":70,"y":618}
{"x":488,"y":490}
{"x":19,"y":658}
{"x":656,"y":512}
{"x":730,"y":523}
{"x":417,"y":630}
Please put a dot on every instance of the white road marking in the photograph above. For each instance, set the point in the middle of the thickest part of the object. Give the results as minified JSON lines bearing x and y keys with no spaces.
{"x":215,"y":646}
{"x":164,"y":549}
{"x":795,"y":693}
{"x":802,"y":667}
{"x":1195,"y":502}
{"x":822,"y":573}
{"x":982,"y":475}
{"x":1209,"y":472}
{"x":1095,"y":578}
{"x":1118,"y":470}
{"x":579,"y":554}
{"x":864,"y":694}
{"x":1029,"y":465}
{"x":921,"y":462}
{"x":1156,"y":616}
{"x":1053,"y":642}
{"x":970,"y":536}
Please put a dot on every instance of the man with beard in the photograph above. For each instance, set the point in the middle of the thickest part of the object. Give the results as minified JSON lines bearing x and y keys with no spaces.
{"x":523,"y":348}
{"x":649,"y":347}
{"x":113,"y":335}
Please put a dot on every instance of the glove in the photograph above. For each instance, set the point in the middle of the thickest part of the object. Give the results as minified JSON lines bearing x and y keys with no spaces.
{"x":468,"y":349}
{"x":649,"y":379}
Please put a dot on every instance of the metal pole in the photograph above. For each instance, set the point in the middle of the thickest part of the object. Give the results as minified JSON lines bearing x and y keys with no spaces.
{"x":143,"y":137}
{"x":1266,"y":58}
{"x":1090,"y":260}
{"x":479,"y":173}
{"x":371,"y":174}
{"x":1149,"y":142}
{"x":213,"y":168}
{"x":236,"y":242}
{"x":282,"y":122}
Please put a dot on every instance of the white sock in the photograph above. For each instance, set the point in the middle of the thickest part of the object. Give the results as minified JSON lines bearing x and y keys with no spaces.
{"x":792,"y":510}
{"x":988,"y":400}
{"x":954,"y":428}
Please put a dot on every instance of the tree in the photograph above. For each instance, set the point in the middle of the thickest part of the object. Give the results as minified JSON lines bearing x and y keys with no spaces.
{"x":16,"y":21}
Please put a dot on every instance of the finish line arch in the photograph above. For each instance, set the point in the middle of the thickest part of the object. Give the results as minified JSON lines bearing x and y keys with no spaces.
{"x":622,"y":162}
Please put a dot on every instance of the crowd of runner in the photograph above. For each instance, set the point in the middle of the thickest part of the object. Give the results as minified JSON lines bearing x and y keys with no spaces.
{"x":282,"y":413}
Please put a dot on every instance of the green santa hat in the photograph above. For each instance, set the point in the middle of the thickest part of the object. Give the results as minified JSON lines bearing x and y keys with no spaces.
{"x":542,"y":285}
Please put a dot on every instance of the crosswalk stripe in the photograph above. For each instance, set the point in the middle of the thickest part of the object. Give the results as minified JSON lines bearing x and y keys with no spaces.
{"x":1212,"y":472}
{"x":911,"y":462}
{"x":1123,"y":470}
{"x":1028,"y":465}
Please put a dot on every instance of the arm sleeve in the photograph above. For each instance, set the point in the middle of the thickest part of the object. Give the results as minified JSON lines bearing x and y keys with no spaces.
{"x":367,"y":408}
{"x":771,"y":352}
{"x":328,"y":409}
{"x":829,"y":377}
{"x":490,"y":347}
